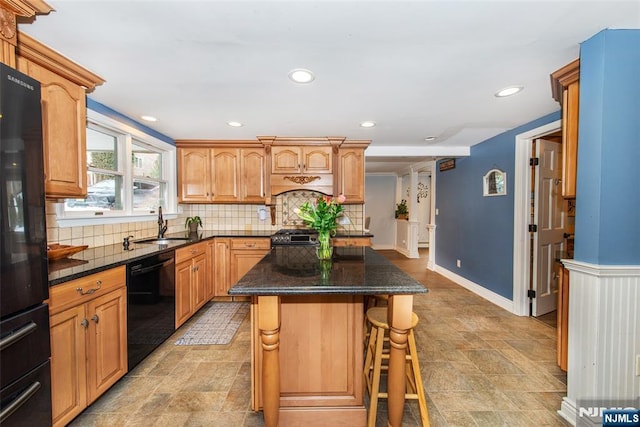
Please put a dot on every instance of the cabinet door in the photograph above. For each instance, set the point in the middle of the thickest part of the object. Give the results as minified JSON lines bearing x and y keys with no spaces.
{"x":223,"y":266}
{"x":253,"y":174}
{"x":199,"y":281}
{"x":194,"y":174}
{"x":351,"y":175}
{"x":106,"y":342}
{"x":570,"y":111}
{"x":285,"y":160}
{"x":244,"y":260}
{"x":63,"y":132}
{"x":68,"y":364}
{"x":211,"y":270}
{"x":317,"y":159}
{"x":226,"y":175}
{"x":183,"y":292}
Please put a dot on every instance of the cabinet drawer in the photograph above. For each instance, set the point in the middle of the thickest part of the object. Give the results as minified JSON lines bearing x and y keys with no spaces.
{"x":85,"y":289}
{"x":351,"y":241}
{"x":190,"y":251}
{"x":250,"y":243}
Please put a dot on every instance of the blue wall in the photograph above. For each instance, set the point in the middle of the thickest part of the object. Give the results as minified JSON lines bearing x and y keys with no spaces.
{"x":478,"y":230}
{"x":608,"y":185}
{"x":106,"y":111}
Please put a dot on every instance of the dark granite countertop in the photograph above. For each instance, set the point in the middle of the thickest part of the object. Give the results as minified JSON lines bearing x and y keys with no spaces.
{"x":295,"y":270}
{"x":101,"y":258}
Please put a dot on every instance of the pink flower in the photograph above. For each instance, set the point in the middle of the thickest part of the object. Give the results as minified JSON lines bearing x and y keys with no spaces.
{"x":341,"y":198}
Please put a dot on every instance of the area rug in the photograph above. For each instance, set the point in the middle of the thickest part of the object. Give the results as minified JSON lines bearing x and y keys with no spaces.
{"x":217,"y":325}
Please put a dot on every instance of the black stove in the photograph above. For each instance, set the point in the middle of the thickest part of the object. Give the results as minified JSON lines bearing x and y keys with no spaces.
{"x":294,"y":237}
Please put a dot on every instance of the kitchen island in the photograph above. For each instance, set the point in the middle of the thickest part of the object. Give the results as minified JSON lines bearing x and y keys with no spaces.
{"x":307,"y":333}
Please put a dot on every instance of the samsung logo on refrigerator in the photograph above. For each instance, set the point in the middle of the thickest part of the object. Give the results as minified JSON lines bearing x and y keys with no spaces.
{"x":20,"y":82}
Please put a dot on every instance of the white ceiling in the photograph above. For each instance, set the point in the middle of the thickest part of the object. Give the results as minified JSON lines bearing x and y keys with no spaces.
{"x":416,"y":68}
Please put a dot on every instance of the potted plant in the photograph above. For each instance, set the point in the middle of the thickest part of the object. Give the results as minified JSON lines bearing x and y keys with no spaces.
{"x":402,"y":211}
{"x":192,"y":223}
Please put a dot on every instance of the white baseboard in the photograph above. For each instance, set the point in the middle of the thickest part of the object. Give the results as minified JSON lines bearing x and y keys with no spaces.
{"x":383,"y":247}
{"x":477,"y":289}
{"x":568,"y":411}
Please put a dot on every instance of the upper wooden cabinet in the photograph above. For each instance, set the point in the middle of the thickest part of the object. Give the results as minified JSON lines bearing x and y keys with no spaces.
{"x":225,"y":173}
{"x":350,"y":174}
{"x":10,"y":10}
{"x":565,"y":87}
{"x":301,"y":160}
{"x":64,"y":115}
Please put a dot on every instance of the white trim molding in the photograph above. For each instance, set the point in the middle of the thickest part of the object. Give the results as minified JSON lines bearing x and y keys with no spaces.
{"x":604,"y":335}
{"x":477,"y":289}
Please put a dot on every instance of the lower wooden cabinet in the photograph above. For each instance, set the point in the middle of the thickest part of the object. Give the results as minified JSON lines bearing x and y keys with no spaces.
{"x":563,"y":317}
{"x":191,"y":281}
{"x":88,"y":327}
{"x":351,"y":241}
{"x":234,"y":257}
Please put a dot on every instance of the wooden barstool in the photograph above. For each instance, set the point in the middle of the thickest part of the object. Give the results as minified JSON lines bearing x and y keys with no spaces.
{"x":376,"y":353}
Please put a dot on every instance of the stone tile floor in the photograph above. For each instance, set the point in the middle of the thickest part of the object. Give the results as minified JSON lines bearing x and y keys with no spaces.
{"x":481,"y":366}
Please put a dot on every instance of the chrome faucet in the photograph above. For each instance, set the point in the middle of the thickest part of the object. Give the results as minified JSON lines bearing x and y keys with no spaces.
{"x":162,"y":225}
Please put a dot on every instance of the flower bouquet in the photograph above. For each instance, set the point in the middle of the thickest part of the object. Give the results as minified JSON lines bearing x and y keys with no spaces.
{"x":321,"y":215}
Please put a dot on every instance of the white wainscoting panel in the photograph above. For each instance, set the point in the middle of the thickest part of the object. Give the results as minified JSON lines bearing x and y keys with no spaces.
{"x":604,"y":334}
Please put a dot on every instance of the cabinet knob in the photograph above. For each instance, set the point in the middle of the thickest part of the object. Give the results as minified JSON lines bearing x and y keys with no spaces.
{"x":84,"y":323}
{"x":95,"y":318}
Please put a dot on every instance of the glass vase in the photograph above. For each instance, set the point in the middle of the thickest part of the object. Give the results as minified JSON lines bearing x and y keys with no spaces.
{"x":324,"y":250}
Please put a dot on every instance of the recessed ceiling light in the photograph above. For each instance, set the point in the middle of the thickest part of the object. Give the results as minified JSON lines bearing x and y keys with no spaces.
{"x":508,"y":91}
{"x":235,"y":124}
{"x":430,"y":138}
{"x":301,"y":75}
{"x":367,"y":124}
{"x":149,"y":118}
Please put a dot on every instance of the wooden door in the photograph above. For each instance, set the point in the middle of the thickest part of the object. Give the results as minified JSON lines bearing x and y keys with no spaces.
{"x":226,"y":175}
{"x":68,"y":364}
{"x":550,"y":219}
{"x":183,"y":292}
{"x":223,"y":266}
{"x":253,"y":175}
{"x":285,"y":160}
{"x":351,"y":178}
{"x":106,"y":342}
{"x":64,"y":115}
{"x":194,"y":174}
{"x":317,"y":159}
{"x":199,"y":281}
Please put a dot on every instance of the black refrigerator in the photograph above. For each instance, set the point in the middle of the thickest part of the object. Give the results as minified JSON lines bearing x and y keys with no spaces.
{"x":25,"y":378}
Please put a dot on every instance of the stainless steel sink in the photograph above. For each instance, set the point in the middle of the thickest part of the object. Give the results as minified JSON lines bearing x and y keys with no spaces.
{"x":162,"y":241}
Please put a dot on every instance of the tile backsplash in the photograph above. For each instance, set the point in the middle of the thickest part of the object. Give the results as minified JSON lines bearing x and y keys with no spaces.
{"x":214,"y":217}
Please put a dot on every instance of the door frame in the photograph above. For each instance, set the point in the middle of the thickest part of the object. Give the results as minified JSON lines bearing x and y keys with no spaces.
{"x":521,"y":214}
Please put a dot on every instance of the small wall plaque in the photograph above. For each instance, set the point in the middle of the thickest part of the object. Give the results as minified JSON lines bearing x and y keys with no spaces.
{"x":447,"y":164}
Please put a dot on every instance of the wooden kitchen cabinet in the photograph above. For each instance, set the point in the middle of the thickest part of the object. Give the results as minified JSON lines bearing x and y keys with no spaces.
{"x":565,"y":85}
{"x":563,"y":317}
{"x":245,"y":254}
{"x":301,"y":160}
{"x":88,"y":329}
{"x":350,"y":179}
{"x":191,"y":281}
{"x":233,"y":172}
{"x":64,"y":85}
{"x":234,"y":257}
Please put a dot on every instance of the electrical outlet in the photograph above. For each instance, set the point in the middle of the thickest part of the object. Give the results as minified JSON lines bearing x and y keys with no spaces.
{"x":458,"y":263}
{"x":638,"y":365}
{"x":437,"y":211}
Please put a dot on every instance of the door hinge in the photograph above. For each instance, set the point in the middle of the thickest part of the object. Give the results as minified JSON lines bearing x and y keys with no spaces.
{"x":533,"y":228}
{"x":531,"y":293}
{"x":534,"y":161}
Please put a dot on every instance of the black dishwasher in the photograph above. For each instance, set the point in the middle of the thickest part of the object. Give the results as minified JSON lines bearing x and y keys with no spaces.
{"x":151,"y":304}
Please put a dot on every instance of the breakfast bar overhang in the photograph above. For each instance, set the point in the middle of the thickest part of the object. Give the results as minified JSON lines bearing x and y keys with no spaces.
{"x":307,"y":333}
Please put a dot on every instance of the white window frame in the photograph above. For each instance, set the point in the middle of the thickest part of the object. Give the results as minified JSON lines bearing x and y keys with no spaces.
{"x":127,"y":214}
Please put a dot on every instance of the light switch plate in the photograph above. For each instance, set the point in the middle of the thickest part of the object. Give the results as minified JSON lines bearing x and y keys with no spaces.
{"x":638,"y":365}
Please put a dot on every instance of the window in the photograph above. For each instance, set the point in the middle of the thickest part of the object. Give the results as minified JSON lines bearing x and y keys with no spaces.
{"x":129,"y":173}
